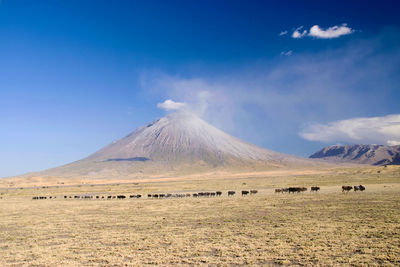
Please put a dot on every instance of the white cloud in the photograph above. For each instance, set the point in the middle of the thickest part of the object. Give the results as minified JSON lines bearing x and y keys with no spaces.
{"x":283,"y":33}
{"x":297,"y":34}
{"x":393,"y":143}
{"x":287,"y":53}
{"x":379,"y":130}
{"x":170,"y":105}
{"x":331,"y":32}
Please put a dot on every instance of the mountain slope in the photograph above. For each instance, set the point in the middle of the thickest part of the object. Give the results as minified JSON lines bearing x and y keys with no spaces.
{"x":177,"y":143}
{"x":181,"y":136}
{"x":363,"y":154}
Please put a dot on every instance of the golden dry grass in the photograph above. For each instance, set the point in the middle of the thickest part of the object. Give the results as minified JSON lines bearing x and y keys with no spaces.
{"x":326,"y":228}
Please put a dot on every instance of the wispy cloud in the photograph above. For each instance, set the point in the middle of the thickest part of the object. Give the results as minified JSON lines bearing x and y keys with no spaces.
{"x":297,"y":34}
{"x":287,"y":53}
{"x":283,"y":33}
{"x":331,"y":32}
{"x":170,"y":105}
{"x":376,"y":130}
{"x":317,"y":32}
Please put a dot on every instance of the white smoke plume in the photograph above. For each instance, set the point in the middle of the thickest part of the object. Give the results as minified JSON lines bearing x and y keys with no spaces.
{"x":169,"y":105}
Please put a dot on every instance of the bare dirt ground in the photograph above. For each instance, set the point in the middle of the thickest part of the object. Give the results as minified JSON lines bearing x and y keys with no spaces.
{"x":327,"y":228}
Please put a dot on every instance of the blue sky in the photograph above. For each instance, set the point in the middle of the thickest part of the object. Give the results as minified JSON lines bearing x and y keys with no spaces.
{"x":76,"y":75}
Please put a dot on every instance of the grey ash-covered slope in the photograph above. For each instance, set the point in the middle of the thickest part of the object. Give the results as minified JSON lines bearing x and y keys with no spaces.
{"x":177,"y":142}
{"x":362,"y":154}
{"x":181,"y":136}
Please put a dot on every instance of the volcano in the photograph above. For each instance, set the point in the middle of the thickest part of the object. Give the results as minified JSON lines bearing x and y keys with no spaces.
{"x":179,"y":143}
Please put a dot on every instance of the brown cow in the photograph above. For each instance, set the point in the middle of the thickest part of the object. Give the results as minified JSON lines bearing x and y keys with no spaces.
{"x":278,"y":190}
{"x":252,"y":192}
{"x":346,"y":188}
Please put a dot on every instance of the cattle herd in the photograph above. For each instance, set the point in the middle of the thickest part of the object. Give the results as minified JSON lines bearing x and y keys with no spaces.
{"x":152,"y":196}
{"x":345,"y":188}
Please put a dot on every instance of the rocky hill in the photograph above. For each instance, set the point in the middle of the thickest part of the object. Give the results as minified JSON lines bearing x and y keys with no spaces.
{"x":363,"y":154}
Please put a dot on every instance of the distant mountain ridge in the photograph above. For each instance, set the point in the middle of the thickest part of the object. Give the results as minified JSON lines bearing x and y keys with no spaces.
{"x":361,"y":154}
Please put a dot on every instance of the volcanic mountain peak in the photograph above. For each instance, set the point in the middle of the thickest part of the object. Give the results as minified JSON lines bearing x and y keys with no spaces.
{"x":181,"y":135}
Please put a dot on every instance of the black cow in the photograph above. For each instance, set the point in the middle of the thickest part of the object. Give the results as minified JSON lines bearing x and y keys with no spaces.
{"x":359,"y":188}
{"x":218,"y":193}
{"x":297,"y":189}
{"x":315,"y":189}
{"x":231,"y":193}
{"x":245,"y":192}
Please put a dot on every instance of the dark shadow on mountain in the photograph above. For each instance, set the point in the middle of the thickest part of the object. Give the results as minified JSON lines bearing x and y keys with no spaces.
{"x":129,"y":159}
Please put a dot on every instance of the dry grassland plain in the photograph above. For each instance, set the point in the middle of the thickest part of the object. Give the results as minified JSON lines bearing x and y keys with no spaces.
{"x":328,"y":228}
